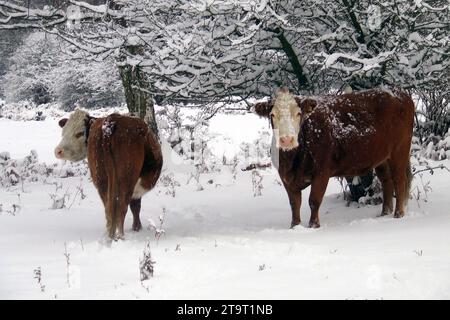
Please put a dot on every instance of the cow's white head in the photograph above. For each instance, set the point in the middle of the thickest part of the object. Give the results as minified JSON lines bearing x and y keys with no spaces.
{"x":285,"y":115}
{"x":73,"y":145}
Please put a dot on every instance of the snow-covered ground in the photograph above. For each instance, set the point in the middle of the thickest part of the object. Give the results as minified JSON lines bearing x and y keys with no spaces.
{"x":219,"y":243}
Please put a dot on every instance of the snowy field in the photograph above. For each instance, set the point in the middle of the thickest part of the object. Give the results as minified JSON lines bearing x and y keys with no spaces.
{"x":219,"y":243}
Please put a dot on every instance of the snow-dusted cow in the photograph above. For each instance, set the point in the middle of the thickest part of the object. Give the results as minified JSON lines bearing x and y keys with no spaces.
{"x":341,"y":135}
{"x":124,"y":159}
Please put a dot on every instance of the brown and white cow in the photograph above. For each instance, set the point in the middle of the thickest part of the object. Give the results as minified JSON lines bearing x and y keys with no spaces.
{"x":341,"y":135}
{"x":124,"y":159}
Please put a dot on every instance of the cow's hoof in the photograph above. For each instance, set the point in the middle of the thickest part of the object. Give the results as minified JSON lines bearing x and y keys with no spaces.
{"x":137,"y":227}
{"x":399,"y":215}
{"x":118,"y":237}
{"x":314,"y":224}
{"x":385,"y":213}
{"x":294,"y":224}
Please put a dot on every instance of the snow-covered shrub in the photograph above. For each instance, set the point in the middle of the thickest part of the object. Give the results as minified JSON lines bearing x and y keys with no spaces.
{"x":433,"y":112}
{"x":146,"y":264}
{"x":159,"y":231}
{"x":234,"y":165}
{"x":195,"y":176}
{"x":257,"y":179}
{"x":29,"y":111}
{"x":374,"y":194}
{"x":256,"y":153}
{"x":72,"y":169}
{"x":433,"y":148}
{"x":170,"y":125}
{"x":188,"y":135}
{"x":14,"y":172}
{"x":168,"y":182}
{"x":58,"y":199}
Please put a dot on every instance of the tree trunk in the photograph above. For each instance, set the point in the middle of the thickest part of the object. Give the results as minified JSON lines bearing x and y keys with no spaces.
{"x":137,"y":95}
{"x":293,"y":59}
{"x":135,"y":81}
{"x":288,"y":49}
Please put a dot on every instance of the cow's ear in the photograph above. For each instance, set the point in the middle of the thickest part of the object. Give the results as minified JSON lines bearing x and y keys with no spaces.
{"x":62,"y":122}
{"x":263,"y":109}
{"x":305,"y":104}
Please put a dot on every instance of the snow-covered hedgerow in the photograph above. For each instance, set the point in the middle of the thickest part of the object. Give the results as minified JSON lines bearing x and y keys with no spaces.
{"x":29,"y":111}
{"x":16,"y":172}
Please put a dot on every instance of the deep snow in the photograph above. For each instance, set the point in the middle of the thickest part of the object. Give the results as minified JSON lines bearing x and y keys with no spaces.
{"x":219,"y":243}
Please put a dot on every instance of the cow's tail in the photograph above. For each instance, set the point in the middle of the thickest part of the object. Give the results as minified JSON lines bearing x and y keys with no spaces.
{"x":114,"y":202}
{"x":409,"y":178}
{"x":113,"y":182}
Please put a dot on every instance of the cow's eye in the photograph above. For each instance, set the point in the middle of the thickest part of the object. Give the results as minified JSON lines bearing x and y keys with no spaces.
{"x":271,"y":115}
{"x":79,"y":135}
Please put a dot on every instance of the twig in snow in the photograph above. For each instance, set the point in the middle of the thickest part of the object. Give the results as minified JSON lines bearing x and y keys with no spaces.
{"x":67,"y":256}
{"x":159,"y":231}
{"x":38,"y":277}
{"x":431,"y":169}
{"x":79,"y":191}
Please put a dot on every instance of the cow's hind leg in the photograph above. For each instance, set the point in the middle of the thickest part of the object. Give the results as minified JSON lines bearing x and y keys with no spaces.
{"x":384,"y":175}
{"x":398,"y":171}
{"x":122,"y":212}
{"x":318,"y":188}
{"x":116,"y":212}
{"x":135,"y":206}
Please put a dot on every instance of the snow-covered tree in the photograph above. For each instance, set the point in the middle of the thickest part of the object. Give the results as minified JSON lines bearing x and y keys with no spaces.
{"x":41,"y":72}
{"x":198,"y":50}
{"x":394,"y":42}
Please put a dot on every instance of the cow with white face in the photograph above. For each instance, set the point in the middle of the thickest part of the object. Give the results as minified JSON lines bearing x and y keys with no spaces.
{"x":285,"y":118}
{"x":286,"y":113}
{"x":339,"y":136}
{"x":73,"y":145}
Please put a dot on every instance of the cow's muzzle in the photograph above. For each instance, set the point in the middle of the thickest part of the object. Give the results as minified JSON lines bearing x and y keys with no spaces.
{"x":287,"y":143}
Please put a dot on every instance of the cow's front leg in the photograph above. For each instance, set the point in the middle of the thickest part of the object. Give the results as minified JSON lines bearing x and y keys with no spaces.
{"x":295,"y":201}
{"x":318,"y":187}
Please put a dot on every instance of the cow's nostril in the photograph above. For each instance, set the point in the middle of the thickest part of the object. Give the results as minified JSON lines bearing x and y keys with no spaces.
{"x":59,"y":153}
{"x":286,"y":140}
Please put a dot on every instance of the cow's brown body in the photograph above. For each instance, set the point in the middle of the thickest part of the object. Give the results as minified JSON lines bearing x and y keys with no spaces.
{"x":348,"y":135}
{"x":121,"y":151}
